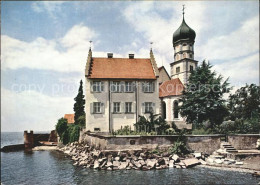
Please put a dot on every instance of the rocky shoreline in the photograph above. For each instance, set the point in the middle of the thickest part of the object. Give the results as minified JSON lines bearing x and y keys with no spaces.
{"x":88,"y":157}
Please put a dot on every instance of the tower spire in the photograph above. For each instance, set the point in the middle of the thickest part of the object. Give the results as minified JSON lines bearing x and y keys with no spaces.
{"x":183,"y":7}
{"x":90,"y":44}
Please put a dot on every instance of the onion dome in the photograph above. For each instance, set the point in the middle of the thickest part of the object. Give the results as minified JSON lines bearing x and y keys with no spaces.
{"x":184,"y":32}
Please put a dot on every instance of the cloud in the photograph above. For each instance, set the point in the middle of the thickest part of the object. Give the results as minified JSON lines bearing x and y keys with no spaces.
{"x":66,"y":54}
{"x":239,"y":43}
{"x":31,"y":110}
{"x":51,"y":7}
{"x":240,"y":71}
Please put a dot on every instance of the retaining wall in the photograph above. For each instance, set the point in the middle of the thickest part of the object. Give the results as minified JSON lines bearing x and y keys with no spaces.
{"x":199,"y":143}
{"x":243,"y":141}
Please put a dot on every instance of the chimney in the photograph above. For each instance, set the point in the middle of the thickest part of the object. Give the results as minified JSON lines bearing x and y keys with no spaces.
{"x":109,"y":55}
{"x":131,"y":56}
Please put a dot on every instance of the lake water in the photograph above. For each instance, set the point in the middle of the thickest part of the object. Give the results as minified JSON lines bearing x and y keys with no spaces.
{"x":53,"y":167}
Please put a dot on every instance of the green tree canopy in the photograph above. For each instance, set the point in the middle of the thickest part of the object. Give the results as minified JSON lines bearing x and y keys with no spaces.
{"x":79,"y":105}
{"x":245,"y":103}
{"x":202,"y":98}
{"x":61,"y":127}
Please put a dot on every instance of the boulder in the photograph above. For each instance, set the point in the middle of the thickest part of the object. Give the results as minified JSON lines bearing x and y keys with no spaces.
{"x":239,"y":163}
{"x":145,"y":168}
{"x":218,"y":161}
{"x":150,"y":163}
{"x":161,"y":161}
{"x":109,"y":164}
{"x":96,"y":164}
{"x":202,"y":162}
{"x":197,"y":155}
{"x":109,"y":169}
{"x":210,"y":160}
{"x":175,"y":158}
{"x":116,"y":164}
{"x":171,"y":163}
{"x":137,"y":164}
{"x":122,"y":165}
{"x":191,"y":162}
{"x":117,"y":158}
{"x":142,"y":162}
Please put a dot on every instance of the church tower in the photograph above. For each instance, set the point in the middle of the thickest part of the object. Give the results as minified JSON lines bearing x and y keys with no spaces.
{"x":183,"y":45}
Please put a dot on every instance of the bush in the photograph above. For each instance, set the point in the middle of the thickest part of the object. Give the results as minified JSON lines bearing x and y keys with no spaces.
{"x":61,"y":127}
{"x":179,"y":147}
{"x":73,"y":132}
{"x":201,"y":131}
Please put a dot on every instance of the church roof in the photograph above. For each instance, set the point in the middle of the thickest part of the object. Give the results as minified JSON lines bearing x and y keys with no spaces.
{"x":183,"y":32}
{"x":121,"y":68}
{"x":172,"y":87}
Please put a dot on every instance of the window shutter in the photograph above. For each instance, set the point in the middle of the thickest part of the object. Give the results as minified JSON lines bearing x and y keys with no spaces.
{"x":133,"y":107}
{"x":122,"y":107}
{"x":153,"y":86}
{"x":122,"y":86}
{"x":91,"y":108}
{"x":113,"y":104}
{"x":102,"y":108}
{"x":143,"y":108}
{"x":91,"y":86}
{"x":133,"y":86}
{"x":143,"y":87}
{"x":102,"y":86}
{"x":153,"y":105}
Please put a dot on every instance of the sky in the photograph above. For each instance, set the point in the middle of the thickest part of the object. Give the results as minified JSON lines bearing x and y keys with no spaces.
{"x":44,"y":47}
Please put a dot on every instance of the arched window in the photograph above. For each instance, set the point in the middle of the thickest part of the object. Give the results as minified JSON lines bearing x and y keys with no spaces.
{"x":175,"y":110}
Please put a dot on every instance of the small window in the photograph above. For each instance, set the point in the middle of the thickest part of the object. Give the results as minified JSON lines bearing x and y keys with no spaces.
{"x":148,"y":87}
{"x":116,"y":107}
{"x":176,"y":110}
{"x":128,"y":107}
{"x":148,"y":107}
{"x":97,"y":107}
{"x":115,"y":87}
{"x":190,"y":55}
{"x":96,"y":129}
{"x":129,"y":86}
{"x":184,"y":45}
{"x":191,"y":68}
{"x":177,"y":69}
{"x":96,"y":86}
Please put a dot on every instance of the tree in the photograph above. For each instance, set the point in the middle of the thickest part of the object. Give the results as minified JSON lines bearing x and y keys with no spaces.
{"x":245,"y":103}
{"x":202,"y":98}
{"x":61,"y":127}
{"x":79,"y":105}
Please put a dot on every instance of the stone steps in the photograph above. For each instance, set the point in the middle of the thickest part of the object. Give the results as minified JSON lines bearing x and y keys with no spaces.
{"x":228,"y":147}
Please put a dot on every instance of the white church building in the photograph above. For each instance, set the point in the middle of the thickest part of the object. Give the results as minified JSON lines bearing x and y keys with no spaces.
{"x":118,"y":90}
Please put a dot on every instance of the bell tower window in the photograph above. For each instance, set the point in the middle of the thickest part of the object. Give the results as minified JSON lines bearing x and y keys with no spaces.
{"x":191,"y":68}
{"x":177,"y":69}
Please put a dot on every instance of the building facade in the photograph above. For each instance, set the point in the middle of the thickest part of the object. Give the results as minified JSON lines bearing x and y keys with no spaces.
{"x":118,"y":90}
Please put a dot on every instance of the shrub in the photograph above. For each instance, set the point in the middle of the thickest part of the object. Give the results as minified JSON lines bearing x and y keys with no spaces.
{"x":179,"y":147}
{"x":61,"y":127}
{"x":201,"y":131}
{"x":73,"y":131}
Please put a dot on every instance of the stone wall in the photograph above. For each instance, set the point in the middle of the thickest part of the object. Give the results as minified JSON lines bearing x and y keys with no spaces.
{"x":243,"y":141}
{"x":206,"y":144}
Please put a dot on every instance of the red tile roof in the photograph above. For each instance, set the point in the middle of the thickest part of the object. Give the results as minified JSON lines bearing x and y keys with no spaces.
{"x":125,"y":68}
{"x":70,"y":118}
{"x":172,"y":87}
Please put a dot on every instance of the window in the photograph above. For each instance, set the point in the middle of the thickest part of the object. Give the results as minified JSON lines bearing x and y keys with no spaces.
{"x":148,"y":107}
{"x":128,"y":107}
{"x":184,"y":44}
{"x":97,"y":107}
{"x":177,"y":69}
{"x":97,"y":86}
{"x":148,"y":87}
{"x":176,"y":110}
{"x":115,"y":87}
{"x":190,"y":55}
{"x":129,"y":86}
{"x":191,"y":68}
{"x":116,"y":107}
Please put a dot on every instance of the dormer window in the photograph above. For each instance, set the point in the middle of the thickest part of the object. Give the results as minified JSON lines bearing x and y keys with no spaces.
{"x":191,"y":68}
